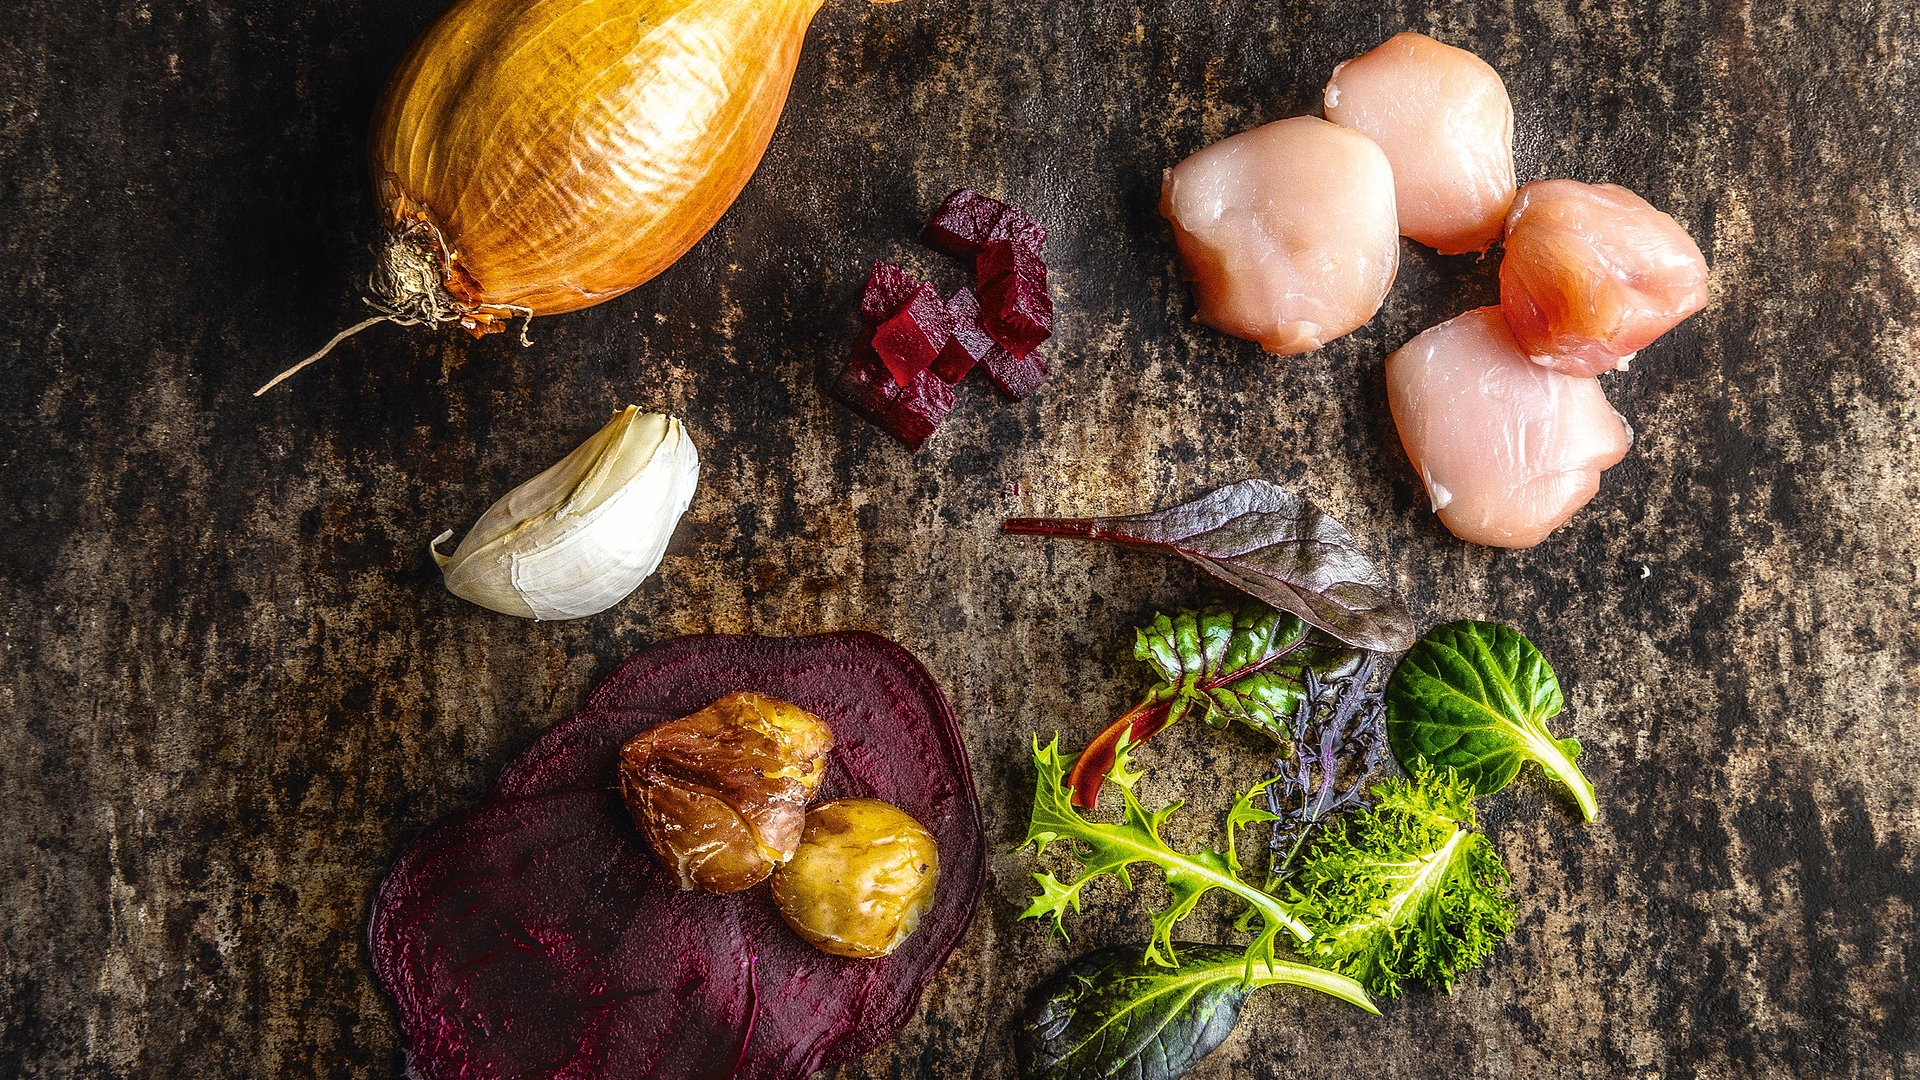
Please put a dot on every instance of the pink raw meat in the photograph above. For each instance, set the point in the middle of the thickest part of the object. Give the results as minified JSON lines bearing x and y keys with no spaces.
{"x":1443,"y":119}
{"x":1593,"y":274}
{"x":1508,"y":449}
{"x":1288,"y":232}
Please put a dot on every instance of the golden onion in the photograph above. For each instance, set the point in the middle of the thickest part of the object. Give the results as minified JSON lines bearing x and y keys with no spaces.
{"x":537,"y":157}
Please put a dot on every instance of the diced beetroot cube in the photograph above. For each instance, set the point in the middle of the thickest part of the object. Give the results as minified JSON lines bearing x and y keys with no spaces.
{"x":1016,"y":226}
{"x":866,"y":384}
{"x":1015,"y":306}
{"x":888,"y":290}
{"x":964,"y":223}
{"x":969,"y":344}
{"x":1003,"y":257}
{"x":910,"y":341}
{"x":919,"y":410}
{"x":1016,"y":376}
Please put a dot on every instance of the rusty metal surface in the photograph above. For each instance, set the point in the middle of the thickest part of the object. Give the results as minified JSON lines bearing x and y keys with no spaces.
{"x":231,"y":685}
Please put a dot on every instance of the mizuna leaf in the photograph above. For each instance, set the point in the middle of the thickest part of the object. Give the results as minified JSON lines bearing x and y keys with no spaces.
{"x":1475,"y":697}
{"x":1105,"y":848}
{"x":1271,"y":544}
{"x":1112,"y":1013}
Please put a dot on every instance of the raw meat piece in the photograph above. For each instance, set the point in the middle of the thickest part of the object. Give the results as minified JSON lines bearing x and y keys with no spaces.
{"x":969,"y":343}
{"x":1288,"y":232}
{"x":866,"y":384}
{"x":1015,"y":305}
{"x":968,"y":221}
{"x":1443,"y":118}
{"x":1593,"y":274}
{"x":535,"y":936}
{"x":1508,"y":449}
{"x":1016,"y":376}
{"x":888,"y":290}
{"x":919,"y":410}
{"x":911,"y":338}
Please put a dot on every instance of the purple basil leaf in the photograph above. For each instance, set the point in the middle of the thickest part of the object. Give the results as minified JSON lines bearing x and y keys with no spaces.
{"x":1271,"y":544}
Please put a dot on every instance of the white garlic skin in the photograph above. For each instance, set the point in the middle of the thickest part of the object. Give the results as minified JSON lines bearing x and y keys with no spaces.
{"x":575,"y":540}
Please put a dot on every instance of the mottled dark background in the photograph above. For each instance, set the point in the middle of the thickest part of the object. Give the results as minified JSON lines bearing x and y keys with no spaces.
{"x":231,"y":685}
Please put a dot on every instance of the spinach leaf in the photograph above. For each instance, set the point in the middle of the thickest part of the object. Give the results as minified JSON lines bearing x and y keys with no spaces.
{"x":1475,"y":697}
{"x":1112,"y":1014}
{"x":1271,"y":544}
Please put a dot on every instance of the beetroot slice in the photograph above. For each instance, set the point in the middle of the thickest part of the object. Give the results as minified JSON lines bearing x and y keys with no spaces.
{"x":1016,"y":376}
{"x":493,"y":977}
{"x":911,"y":339}
{"x":888,"y":290}
{"x":969,"y":344}
{"x":507,"y":935}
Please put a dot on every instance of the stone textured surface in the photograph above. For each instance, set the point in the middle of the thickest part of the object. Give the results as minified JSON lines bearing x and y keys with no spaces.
{"x":231,"y":685}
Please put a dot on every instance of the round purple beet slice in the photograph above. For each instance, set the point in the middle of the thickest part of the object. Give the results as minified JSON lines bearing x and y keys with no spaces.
{"x":512,"y":944}
{"x":482,"y":994}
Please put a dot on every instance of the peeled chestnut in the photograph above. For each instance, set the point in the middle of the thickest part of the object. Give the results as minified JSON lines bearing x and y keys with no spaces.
{"x":722,"y":794}
{"x":860,"y":880}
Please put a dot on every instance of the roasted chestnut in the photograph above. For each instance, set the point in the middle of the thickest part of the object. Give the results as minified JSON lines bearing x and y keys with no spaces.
{"x":722,"y":794}
{"x":860,"y":880}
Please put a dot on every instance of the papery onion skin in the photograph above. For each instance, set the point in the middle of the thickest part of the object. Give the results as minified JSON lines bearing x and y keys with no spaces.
{"x":563,"y":152}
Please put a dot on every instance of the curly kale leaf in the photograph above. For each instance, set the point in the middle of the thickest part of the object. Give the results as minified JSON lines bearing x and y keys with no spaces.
{"x":1109,"y":849}
{"x":1409,"y":889}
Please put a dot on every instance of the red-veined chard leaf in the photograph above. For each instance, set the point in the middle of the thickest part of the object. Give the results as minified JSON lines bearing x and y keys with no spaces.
{"x":1476,"y":697}
{"x":1271,"y":544}
{"x":1223,"y":664}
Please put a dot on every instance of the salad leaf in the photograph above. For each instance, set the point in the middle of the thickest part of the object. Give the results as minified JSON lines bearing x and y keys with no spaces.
{"x":1272,"y":545}
{"x":1223,"y":664}
{"x":1339,"y":747}
{"x":1244,"y":812}
{"x":1231,"y":664}
{"x":1111,"y":1013}
{"x":1475,"y":697}
{"x":1410,"y":889}
{"x":1105,"y":849}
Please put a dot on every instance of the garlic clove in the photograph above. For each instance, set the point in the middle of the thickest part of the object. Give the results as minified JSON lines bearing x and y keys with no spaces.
{"x":579,"y":537}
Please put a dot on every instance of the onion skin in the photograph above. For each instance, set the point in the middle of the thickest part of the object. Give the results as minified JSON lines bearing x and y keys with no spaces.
{"x":563,"y":152}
